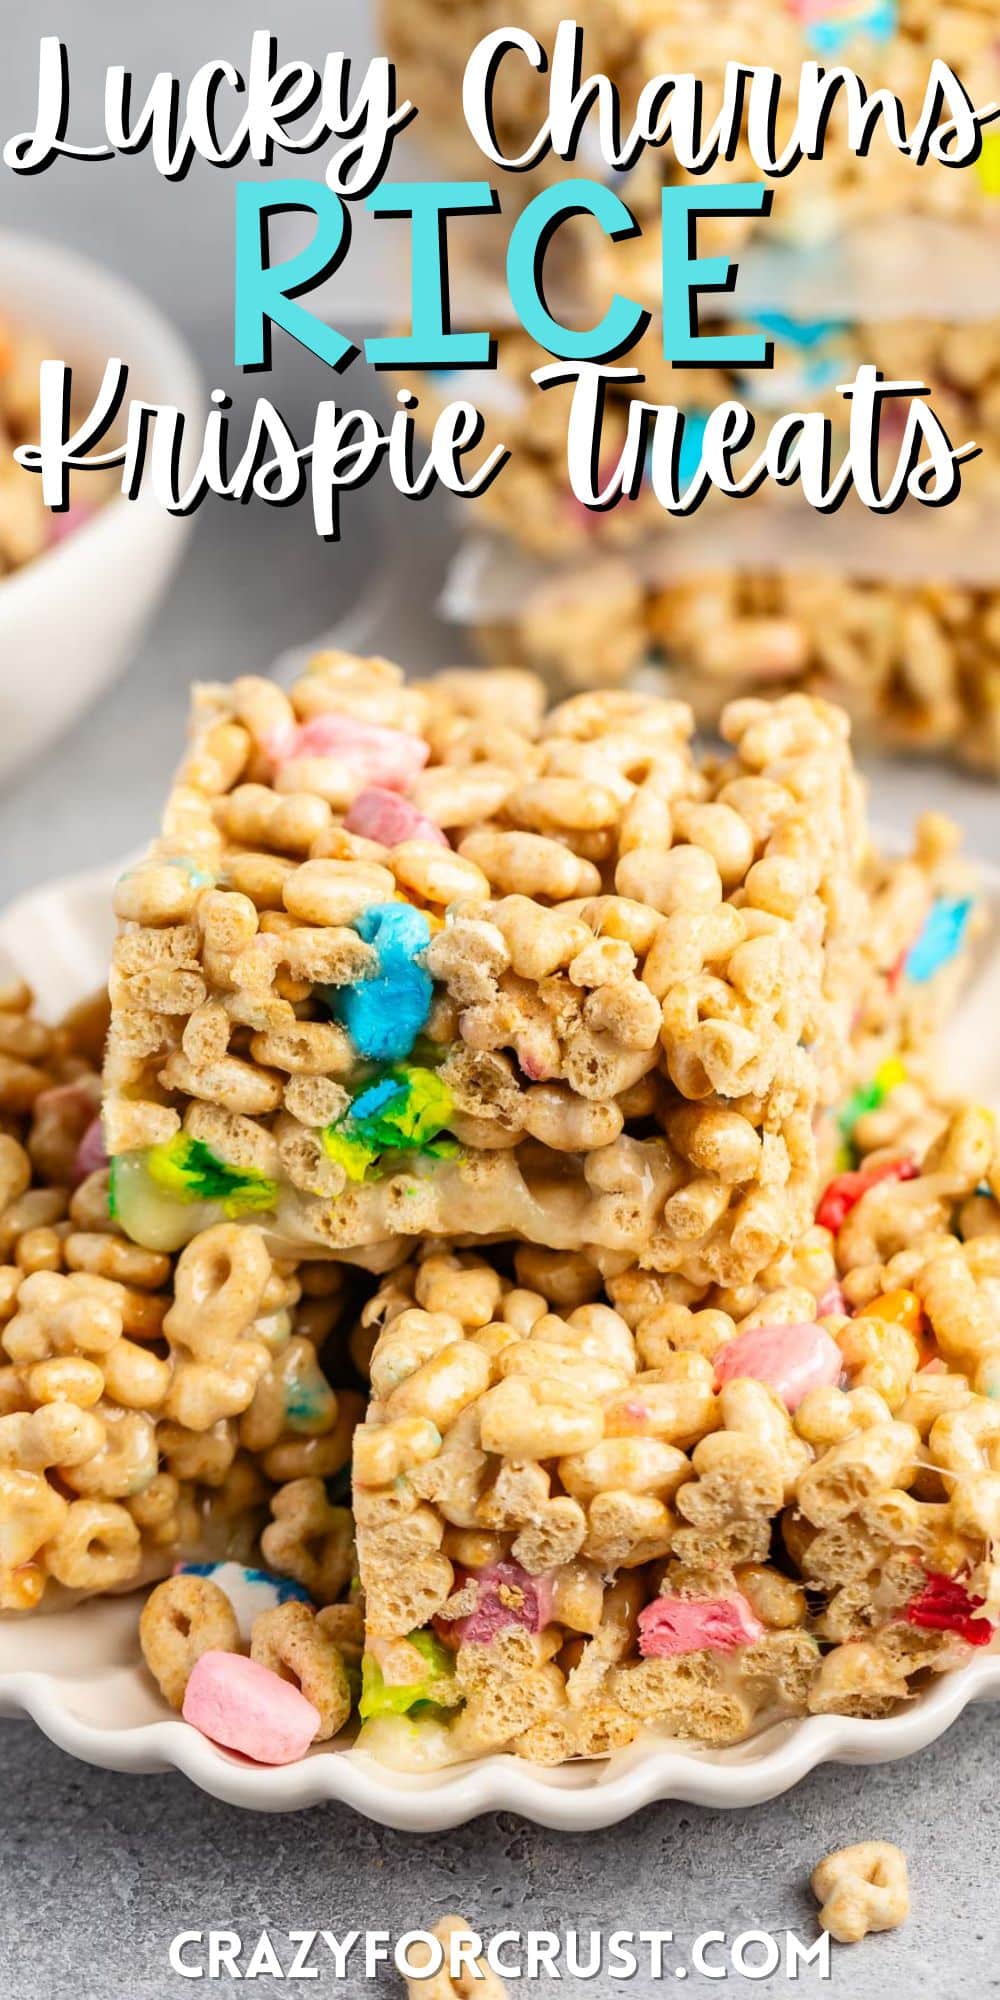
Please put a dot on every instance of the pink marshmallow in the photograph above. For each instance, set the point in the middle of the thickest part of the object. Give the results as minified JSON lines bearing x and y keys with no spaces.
{"x":507,"y":1596}
{"x":378,"y":814}
{"x":244,"y":1707}
{"x":377,"y":756}
{"x":832,"y":1301}
{"x":790,"y":1359}
{"x":695,"y":1624}
{"x":820,"y":10}
{"x":91,"y":1153}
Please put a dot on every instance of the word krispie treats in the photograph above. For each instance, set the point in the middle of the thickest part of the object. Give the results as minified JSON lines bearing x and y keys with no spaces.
{"x":532,"y":502}
{"x":427,"y":960}
{"x":148,"y":1407}
{"x":587,"y":1509}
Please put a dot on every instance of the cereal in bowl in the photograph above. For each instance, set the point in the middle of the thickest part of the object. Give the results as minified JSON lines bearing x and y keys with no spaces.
{"x":27,"y":526}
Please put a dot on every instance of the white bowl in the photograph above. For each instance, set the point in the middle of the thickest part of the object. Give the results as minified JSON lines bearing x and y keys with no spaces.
{"x":79,"y":1673}
{"x":70,"y":620}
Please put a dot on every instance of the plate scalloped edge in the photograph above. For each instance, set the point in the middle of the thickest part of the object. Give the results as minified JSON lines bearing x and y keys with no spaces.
{"x":63,"y":932}
{"x":575,"y":1799}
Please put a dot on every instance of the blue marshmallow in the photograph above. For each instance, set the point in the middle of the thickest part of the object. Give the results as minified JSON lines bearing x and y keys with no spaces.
{"x":878,"y":23}
{"x":384,"y":1015}
{"x":941,"y":938}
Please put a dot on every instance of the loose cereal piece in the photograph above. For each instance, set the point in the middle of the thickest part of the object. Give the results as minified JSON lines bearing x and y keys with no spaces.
{"x":289,"y":1640}
{"x":456,"y":1979}
{"x":862,"y":1888}
{"x":181,"y":1619}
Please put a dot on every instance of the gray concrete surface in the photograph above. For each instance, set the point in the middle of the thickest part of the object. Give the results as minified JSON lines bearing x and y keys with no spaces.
{"x":97,"y":1871}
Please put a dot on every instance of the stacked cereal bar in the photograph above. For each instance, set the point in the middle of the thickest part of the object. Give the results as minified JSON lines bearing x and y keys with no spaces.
{"x":588,"y":1508}
{"x":427,"y":960}
{"x":147,"y":1411}
{"x":688,"y":1439}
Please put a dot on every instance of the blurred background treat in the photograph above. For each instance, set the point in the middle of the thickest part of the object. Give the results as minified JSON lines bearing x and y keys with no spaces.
{"x":862,"y":261}
{"x":890,"y":43}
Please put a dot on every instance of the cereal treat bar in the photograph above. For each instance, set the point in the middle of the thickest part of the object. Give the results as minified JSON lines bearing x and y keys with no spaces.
{"x":917,"y":666}
{"x":532,"y":501}
{"x":890,"y":44}
{"x":147,"y":1411}
{"x":585,"y":1511}
{"x":426,"y":960}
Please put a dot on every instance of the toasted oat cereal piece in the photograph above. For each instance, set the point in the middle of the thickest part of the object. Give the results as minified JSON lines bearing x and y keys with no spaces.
{"x":600,"y":1011}
{"x":862,"y":1888}
{"x":290,"y":1640}
{"x":456,"y":1979}
{"x":181,"y":1619}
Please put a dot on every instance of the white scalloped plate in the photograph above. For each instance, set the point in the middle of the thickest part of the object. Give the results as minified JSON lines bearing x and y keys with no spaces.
{"x":79,"y":1674}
